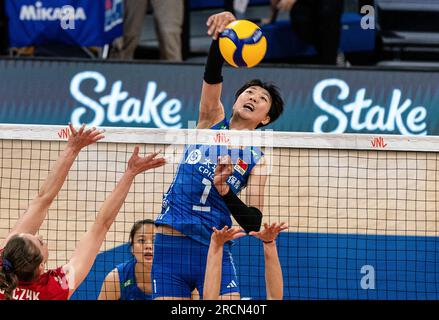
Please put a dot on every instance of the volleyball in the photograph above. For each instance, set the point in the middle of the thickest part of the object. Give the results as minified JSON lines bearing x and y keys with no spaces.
{"x":242,"y":44}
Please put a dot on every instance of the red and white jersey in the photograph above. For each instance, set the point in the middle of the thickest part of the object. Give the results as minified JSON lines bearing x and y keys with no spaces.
{"x":51,"y":285}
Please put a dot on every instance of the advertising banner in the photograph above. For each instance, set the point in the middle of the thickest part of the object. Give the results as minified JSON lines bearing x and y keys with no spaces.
{"x":167,"y":96}
{"x":70,"y":22}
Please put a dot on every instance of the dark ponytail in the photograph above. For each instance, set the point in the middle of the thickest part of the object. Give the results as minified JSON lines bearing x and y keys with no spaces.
{"x":19,"y":261}
{"x":8,"y":281}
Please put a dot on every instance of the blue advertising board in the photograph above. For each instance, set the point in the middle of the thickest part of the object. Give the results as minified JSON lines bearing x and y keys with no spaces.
{"x":167,"y":96}
{"x":70,"y":22}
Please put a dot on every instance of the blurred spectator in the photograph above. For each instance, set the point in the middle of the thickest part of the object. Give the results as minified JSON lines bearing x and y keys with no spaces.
{"x":228,"y":6}
{"x":168,"y":18}
{"x":3,"y":29}
{"x":316,"y":22}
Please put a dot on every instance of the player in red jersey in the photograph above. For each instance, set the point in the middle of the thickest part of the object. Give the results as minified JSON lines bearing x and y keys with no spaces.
{"x":23,"y":255}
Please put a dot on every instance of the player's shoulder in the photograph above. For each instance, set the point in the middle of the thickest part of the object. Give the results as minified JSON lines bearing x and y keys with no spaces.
{"x":124,"y":269}
{"x":223,"y":124}
{"x":52,"y":283}
{"x":260,"y":166}
{"x":57,"y":272}
{"x":113,"y":275}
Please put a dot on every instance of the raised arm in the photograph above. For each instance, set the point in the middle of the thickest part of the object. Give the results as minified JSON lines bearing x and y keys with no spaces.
{"x":85,"y":253}
{"x":256,"y":185}
{"x":31,"y":220}
{"x":212,"y":277}
{"x":211,"y":108}
{"x":273,"y":272}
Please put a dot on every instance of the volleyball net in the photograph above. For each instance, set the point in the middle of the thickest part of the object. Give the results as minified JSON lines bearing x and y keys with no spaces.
{"x":361,"y":209}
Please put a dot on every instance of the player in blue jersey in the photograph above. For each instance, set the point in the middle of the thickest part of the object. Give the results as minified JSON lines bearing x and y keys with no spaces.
{"x":193,"y":205}
{"x":131,"y":280}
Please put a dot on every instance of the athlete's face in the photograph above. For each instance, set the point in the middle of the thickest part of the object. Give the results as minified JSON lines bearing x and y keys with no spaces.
{"x":143,"y":244}
{"x":39,"y":243}
{"x":253,"y":106}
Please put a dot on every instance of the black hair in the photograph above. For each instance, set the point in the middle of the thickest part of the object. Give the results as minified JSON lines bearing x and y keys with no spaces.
{"x":136,"y":226}
{"x":20,"y":260}
{"x":277,"y":104}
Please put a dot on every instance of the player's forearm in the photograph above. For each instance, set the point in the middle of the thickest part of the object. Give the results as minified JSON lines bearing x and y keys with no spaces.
{"x":114,"y":201}
{"x":212,"y":279}
{"x":55,"y":180}
{"x":210,"y":101}
{"x":210,"y":104}
{"x":214,"y":64}
{"x":248,"y":217}
{"x":273,"y":272}
{"x":89,"y":245}
{"x":256,"y":185}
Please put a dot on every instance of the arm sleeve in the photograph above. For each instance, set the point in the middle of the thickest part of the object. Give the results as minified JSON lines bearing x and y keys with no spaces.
{"x":249,"y":218}
{"x":214,"y":64}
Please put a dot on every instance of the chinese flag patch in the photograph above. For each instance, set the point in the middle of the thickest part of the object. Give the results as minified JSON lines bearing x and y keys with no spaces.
{"x":241,"y":166}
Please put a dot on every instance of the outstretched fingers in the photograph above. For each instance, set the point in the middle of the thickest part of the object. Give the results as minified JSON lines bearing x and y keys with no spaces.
{"x":283,"y":226}
{"x":157,"y":163}
{"x":210,"y":20}
{"x":81,"y":130}
{"x":217,"y":22}
{"x":136,"y":151}
{"x":154,"y":162}
{"x":138,"y":164}
{"x":236,"y":233}
{"x":221,"y":27}
{"x":72,"y":129}
{"x":82,"y":138}
{"x":227,"y":234}
{"x":96,"y":135}
{"x":270,"y":232}
{"x":211,"y":23}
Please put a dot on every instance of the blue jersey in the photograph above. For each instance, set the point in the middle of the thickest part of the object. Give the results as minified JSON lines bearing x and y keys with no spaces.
{"x":128,"y":285}
{"x":192,"y":205}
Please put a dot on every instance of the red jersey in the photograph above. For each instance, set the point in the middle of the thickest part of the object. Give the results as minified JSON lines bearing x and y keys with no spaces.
{"x":51,"y":285}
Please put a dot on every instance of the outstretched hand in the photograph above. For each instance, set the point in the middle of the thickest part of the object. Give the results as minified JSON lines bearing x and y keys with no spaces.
{"x":226,"y":234}
{"x":82,"y":138}
{"x":223,"y":170}
{"x":218,"y":22}
{"x":138,"y":164}
{"x":269,"y":233}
